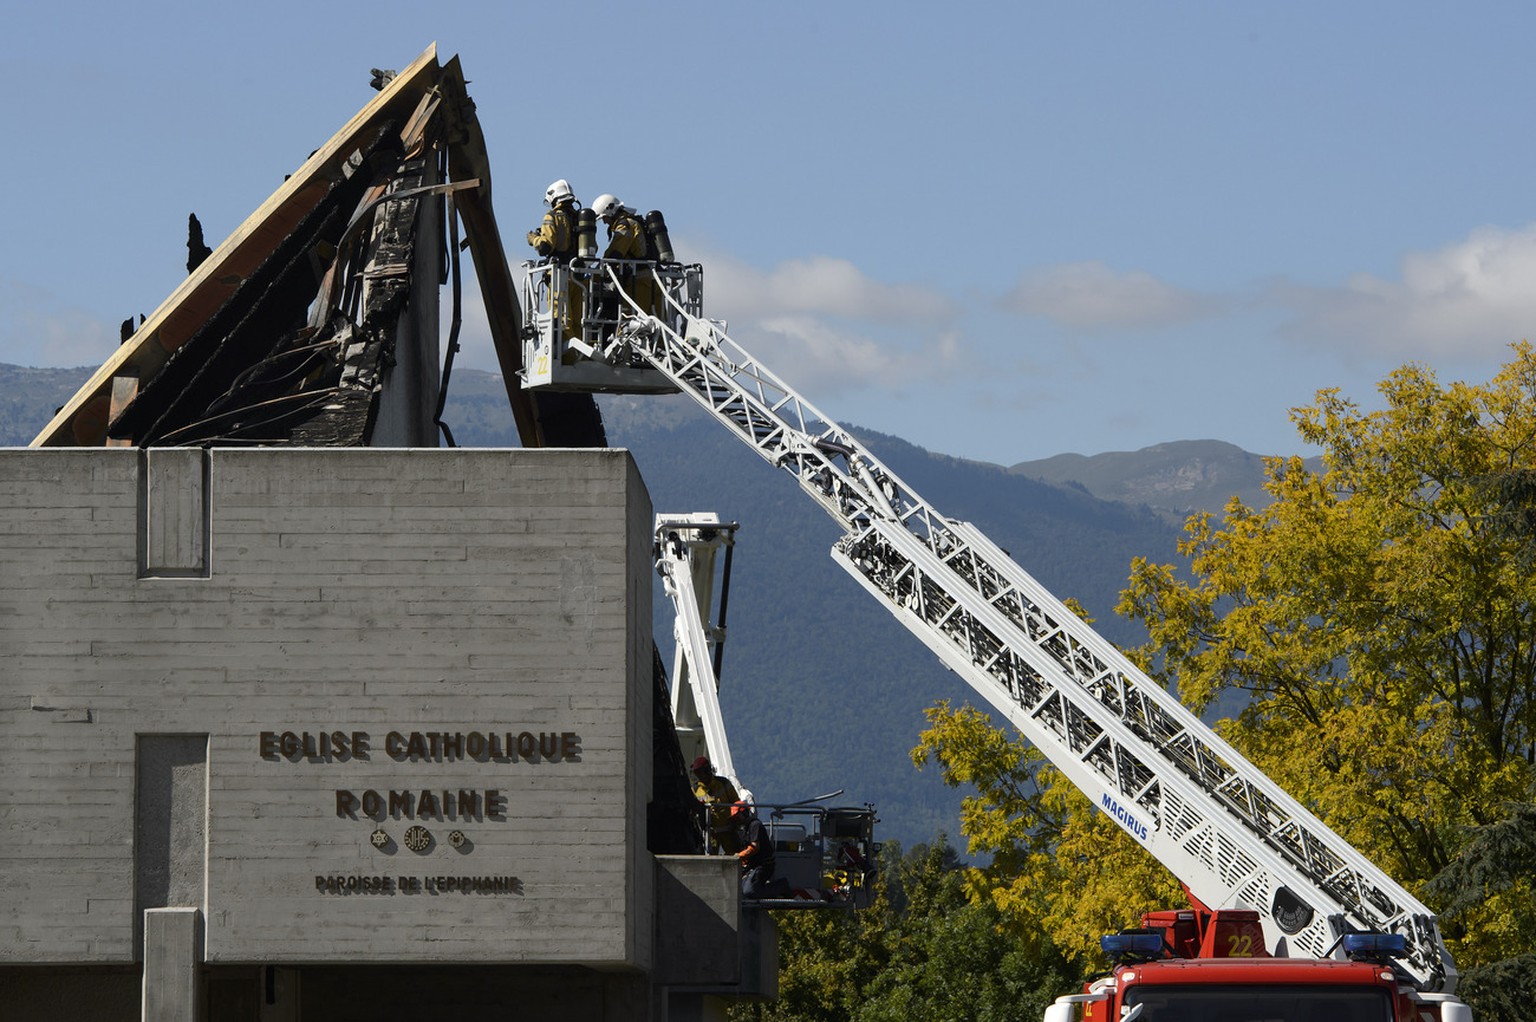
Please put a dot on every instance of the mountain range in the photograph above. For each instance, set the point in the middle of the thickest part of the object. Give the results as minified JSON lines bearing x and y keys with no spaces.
{"x":823,"y":689}
{"x":1174,"y":479}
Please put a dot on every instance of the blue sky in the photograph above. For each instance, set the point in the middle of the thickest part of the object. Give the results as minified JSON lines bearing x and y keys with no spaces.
{"x":999,"y":231}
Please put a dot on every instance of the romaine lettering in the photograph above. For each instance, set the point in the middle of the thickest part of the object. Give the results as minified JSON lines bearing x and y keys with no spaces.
{"x":425,"y":804}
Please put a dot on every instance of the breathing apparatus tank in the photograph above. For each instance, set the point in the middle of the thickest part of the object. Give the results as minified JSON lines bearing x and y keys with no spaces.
{"x":657,"y":228}
{"x":586,"y":234}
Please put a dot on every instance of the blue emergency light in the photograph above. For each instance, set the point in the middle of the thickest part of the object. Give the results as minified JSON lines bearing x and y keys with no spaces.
{"x":1375,"y":945}
{"x":1137,"y":945}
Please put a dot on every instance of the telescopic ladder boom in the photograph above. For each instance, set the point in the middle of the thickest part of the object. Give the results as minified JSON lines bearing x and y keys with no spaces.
{"x":686,"y":549}
{"x":1235,"y":838}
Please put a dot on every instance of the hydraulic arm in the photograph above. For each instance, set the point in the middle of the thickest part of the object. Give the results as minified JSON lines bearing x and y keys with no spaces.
{"x":686,"y":548}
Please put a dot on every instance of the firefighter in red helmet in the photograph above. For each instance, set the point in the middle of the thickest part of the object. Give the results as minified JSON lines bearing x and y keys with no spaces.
{"x":717,"y":794}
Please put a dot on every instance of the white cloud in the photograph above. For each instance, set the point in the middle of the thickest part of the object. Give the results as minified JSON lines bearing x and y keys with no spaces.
{"x":832,"y":360}
{"x":818,"y":285}
{"x":1471,"y":297}
{"x":827,"y":326}
{"x":1090,"y":296}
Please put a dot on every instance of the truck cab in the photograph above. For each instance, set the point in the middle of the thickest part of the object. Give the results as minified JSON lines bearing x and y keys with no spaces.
{"x":1194,"y":966}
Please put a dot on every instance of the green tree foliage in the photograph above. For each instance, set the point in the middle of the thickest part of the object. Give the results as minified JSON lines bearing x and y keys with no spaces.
{"x":1380,"y":614}
{"x":1496,"y":866}
{"x":924,"y":950}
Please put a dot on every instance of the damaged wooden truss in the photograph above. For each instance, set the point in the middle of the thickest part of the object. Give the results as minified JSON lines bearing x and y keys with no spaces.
{"x":316,"y":322}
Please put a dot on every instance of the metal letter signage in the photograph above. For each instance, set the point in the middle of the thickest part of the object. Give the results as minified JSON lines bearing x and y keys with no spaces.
{"x":420,"y":807}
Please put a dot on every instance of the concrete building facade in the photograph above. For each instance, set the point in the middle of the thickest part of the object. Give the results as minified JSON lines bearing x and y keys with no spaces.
{"x":349,"y":731}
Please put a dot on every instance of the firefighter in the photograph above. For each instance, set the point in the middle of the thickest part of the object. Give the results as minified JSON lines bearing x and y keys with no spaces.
{"x":717,"y":794}
{"x":756,"y":854}
{"x":626,"y":234}
{"x":555,"y":240}
{"x":626,"y":240}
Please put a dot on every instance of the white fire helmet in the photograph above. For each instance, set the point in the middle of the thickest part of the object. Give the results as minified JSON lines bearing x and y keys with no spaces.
{"x":606,"y":205}
{"x":559,"y":192}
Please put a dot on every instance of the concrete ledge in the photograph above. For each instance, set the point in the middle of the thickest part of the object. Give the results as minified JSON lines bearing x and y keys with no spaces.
{"x":698,"y":914}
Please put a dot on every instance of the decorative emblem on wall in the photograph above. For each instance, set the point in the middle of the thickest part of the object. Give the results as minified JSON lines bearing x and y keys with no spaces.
{"x":418,"y":839}
{"x":379,"y":838}
{"x":456,"y":838}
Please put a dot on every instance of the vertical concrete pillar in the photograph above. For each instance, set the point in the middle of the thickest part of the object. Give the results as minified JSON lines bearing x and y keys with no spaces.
{"x":173,"y":952}
{"x":759,"y":953}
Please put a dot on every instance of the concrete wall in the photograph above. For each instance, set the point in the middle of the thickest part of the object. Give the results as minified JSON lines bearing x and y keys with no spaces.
{"x":209,"y":664}
{"x":698,"y":921}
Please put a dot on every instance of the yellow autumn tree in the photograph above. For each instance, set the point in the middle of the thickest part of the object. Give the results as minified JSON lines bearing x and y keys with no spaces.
{"x":1380,"y":618}
{"x":1376,"y":617}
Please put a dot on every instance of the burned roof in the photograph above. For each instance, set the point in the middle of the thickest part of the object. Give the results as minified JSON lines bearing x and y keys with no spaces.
{"x":316,"y":322}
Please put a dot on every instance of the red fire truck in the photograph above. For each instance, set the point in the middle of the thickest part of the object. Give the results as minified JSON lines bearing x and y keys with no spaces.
{"x":1194,"y":965}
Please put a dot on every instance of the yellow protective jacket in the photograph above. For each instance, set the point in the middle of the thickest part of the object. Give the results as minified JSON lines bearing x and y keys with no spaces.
{"x":719,"y":794}
{"x":717,"y":790}
{"x":626,"y":237}
{"x":626,"y":240}
{"x":556,"y":236}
